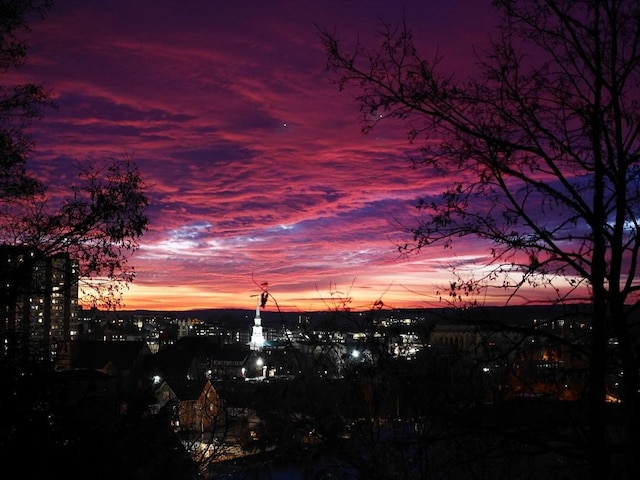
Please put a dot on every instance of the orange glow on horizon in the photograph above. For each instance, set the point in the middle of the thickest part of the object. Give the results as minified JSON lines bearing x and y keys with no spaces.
{"x":256,"y":165}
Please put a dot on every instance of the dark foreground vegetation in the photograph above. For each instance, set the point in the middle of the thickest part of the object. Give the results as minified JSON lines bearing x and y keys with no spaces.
{"x":480,"y":394}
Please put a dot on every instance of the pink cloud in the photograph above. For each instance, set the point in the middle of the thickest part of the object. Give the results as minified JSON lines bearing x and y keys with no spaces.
{"x":256,"y":166}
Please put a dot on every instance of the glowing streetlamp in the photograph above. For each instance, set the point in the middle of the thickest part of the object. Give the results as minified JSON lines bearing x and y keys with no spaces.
{"x":260,"y":364}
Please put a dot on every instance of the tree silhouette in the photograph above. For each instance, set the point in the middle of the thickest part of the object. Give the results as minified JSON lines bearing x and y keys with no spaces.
{"x":98,"y":226}
{"x":544,"y":144}
{"x":20,"y":104}
{"x":90,"y":236}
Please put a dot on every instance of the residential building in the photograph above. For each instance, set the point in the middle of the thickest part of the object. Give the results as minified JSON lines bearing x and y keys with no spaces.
{"x":39,"y":299}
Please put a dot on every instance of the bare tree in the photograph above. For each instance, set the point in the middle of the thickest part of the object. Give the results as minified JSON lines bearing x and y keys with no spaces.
{"x":98,"y":226}
{"x":96,"y":229}
{"x":20,"y":104}
{"x":545,"y":144}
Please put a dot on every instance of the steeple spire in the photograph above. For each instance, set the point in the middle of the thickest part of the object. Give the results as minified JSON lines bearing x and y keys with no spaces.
{"x":257,"y":338}
{"x":257,"y":317}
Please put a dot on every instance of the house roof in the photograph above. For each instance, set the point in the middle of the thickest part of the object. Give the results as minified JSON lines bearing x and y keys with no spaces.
{"x":190,"y":347}
{"x":172,"y":361}
{"x":197,"y":345}
{"x":96,"y":354}
{"x":231,"y":353}
{"x":188,"y":390}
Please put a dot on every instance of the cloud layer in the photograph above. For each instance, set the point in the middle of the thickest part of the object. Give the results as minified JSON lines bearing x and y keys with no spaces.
{"x":256,"y":166}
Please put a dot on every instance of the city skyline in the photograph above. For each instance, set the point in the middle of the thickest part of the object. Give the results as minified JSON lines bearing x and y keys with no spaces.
{"x":256,"y":167}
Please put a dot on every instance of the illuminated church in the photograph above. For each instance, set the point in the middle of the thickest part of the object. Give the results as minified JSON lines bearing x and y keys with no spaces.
{"x":257,"y":337}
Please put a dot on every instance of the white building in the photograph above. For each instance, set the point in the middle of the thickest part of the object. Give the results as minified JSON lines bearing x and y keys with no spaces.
{"x":257,"y":337}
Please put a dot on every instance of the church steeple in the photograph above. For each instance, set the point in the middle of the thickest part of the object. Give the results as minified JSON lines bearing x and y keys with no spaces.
{"x":257,"y":337}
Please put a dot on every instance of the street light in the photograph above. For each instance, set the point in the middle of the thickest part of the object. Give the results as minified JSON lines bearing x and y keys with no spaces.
{"x":263,"y":368}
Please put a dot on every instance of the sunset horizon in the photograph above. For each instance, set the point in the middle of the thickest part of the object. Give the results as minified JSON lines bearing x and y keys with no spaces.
{"x":255,"y":165}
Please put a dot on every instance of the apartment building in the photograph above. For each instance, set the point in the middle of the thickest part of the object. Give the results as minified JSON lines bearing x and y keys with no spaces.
{"x":38,"y":300}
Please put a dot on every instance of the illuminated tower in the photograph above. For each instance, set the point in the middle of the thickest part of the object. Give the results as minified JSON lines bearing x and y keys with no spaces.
{"x":257,"y":338}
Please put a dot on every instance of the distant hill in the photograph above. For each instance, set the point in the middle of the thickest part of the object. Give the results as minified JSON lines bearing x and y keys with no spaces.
{"x":225,"y":315}
{"x":271,"y":318}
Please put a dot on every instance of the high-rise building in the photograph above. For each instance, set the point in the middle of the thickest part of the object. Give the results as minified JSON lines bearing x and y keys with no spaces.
{"x":38,"y":299}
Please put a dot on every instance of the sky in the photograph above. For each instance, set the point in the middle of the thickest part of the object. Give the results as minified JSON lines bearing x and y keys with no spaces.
{"x":256,"y":167}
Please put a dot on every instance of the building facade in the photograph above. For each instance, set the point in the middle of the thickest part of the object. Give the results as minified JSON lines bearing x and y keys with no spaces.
{"x":38,"y":300}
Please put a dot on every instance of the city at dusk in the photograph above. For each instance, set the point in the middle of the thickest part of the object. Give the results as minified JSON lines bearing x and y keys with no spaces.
{"x":255,"y":164}
{"x":334,"y":239}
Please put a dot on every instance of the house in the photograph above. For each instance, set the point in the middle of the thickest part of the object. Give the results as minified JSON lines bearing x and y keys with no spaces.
{"x":200,"y":358}
{"x":123,"y":361}
{"x":118,"y":359}
{"x":230,"y":361}
{"x":196,"y":405}
{"x":174,"y":365}
{"x":87,"y":395}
